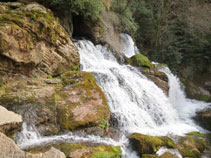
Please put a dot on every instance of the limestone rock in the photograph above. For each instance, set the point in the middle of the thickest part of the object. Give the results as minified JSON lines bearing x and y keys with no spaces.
{"x":9,"y":121}
{"x":8,"y":148}
{"x":32,"y":42}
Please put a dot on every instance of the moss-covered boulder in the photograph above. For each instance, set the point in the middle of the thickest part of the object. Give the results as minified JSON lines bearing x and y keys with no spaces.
{"x":71,"y":101}
{"x":190,"y":146}
{"x":140,"y":61}
{"x":203,"y":118}
{"x":82,"y":151}
{"x":144,"y":144}
{"x":81,"y":103}
{"x":32,"y":41}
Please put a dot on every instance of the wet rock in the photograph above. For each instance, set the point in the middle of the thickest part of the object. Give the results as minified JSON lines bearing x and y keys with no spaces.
{"x":33,"y":42}
{"x":144,"y":144}
{"x":204,"y":118}
{"x":159,"y":78}
{"x":82,"y":151}
{"x":8,"y":148}
{"x":9,"y":121}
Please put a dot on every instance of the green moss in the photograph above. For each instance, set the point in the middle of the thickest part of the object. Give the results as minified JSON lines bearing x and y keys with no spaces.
{"x":104,"y":125}
{"x":205,"y":98}
{"x":92,"y":152}
{"x":85,"y":85}
{"x":191,"y":147}
{"x":140,"y":60}
{"x":150,"y":145}
{"x":196,"y":134}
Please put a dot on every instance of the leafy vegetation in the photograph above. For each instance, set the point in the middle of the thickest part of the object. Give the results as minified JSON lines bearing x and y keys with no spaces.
{"x":86,"y":8}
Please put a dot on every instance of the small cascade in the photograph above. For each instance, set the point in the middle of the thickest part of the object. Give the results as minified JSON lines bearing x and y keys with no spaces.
{"x":136,"y":102}
{"x":28,"y":133}
{"x":127,"y":45}
{"x":186,"y":108}
{"x":29,"y":137}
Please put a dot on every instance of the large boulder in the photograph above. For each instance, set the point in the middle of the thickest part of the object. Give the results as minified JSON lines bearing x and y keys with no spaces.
{"x":32,"y":41}
{"x":204,"y":118}
{"x":9,"y":121}
{"x":144,"y":144}
{"x":8,"y":148}
{"x":81,"y":103}
{"x":71,"y":101}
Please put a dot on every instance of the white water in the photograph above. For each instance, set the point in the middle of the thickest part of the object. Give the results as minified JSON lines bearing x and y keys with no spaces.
{"x":136,"y":102}
{"x":127,"y":45}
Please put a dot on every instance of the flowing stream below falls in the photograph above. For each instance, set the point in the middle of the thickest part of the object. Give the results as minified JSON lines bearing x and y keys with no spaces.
{"x":135,"y":102}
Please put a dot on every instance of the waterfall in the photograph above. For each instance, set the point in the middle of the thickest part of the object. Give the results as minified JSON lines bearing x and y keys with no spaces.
{"x":135,"y":102}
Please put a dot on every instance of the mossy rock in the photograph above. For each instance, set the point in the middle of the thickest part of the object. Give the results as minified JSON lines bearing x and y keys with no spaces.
{"x":33,"y":42}
{"x":83,"y":151}
{"x":144,"y":144}
{"x":203,"y":97}
{"x":81,"y":103}
{"x":191,"y":147}
{"x":140,"y":61}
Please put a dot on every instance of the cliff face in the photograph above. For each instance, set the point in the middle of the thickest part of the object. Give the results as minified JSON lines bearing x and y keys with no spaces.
{"x":32,"y":42}
{"x":35,"y":54}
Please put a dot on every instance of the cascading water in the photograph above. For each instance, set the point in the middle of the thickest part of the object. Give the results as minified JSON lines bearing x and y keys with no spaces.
{"x":128,"y":46}
{"x":136,"y":103}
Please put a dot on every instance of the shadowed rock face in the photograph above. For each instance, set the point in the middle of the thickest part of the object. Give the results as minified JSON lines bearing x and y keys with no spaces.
{"x":32,"y":41}
{"x":203,"y":118}
{"x":8,"y":148}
